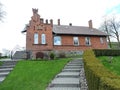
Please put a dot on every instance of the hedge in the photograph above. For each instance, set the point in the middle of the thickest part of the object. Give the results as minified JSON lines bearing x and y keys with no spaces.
{"x":107,"y":52}
{"x":98,"y":77}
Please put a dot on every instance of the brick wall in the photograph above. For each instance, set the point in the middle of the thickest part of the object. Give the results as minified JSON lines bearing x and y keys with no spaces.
{"x":67,"y":43}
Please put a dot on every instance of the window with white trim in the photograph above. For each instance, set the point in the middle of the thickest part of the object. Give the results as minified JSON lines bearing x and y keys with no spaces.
{"x":57,"y":40}
{"x":87,"y":41}
{"x":75,"y":41}
{"x":101,"y":40}
{"x":36,"y":38}
{"x":43,"y":39}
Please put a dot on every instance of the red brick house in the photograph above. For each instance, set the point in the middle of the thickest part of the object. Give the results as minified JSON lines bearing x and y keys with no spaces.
{"x":45,"y":36}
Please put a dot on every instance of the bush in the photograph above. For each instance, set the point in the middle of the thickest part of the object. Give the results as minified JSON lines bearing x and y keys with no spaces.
{"x":52,"y":55}
{"x":98,"y":77}
{"x":106,"y":52}
{"x":40,"y":55}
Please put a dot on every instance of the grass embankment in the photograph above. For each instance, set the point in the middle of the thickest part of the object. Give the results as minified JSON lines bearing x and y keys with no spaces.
{"x":33,"y":75}
{"x":112,"y":64}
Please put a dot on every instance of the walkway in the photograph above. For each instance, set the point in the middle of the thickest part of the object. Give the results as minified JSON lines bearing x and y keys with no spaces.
{"x":71,"y":78}
{"x":6,"y":67}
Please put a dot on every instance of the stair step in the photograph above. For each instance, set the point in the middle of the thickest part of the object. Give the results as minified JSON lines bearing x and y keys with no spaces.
{"x":65,"y":81}
{"x":9,"y":66}
{"x":3,"y":74}
{"x":5,"y":69}
{"x":70,"y":70}
{"x":71,"y":67}
{"x":69,"y":74}
{"x":64,"y":88}
{"x":65,"y":85}
{"x":1,"y":79}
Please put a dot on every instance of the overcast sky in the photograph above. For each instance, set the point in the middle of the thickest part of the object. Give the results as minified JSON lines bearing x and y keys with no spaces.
{"x":77,"y":12}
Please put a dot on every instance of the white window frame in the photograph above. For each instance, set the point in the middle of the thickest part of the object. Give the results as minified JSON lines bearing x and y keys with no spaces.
{"x":101,"y":40}
{"x":87,"y":41}
{"x":36,"y":38}
{"x":43,"y":38}
{"x":76,"y":41}
{"x":57,"y":40}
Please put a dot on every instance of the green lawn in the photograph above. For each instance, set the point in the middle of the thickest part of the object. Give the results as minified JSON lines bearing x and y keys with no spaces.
{"x":112,"y":64}
{"x":33,"y":75}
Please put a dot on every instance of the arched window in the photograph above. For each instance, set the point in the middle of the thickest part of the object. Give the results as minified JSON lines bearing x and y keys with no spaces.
{"x":43,"y":39}
{"x":36,"y":38}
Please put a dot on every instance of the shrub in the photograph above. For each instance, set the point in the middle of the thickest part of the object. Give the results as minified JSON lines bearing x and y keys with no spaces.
{"x":40,"y":55}
{"x":98,"y":77}
{"x":52,"y":55}
{"x":106,"y":52}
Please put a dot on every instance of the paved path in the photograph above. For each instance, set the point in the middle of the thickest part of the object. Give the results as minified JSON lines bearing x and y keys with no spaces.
{"x":6,"y":67}
{"x":71,"y":78}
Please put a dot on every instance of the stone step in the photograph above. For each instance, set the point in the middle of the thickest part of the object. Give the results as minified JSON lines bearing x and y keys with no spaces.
{"x":9,"y":66}
{"x":70,"y":70}
{"x":4,"y":74}
{"x":6,"y":63}
{"x":1,"y":79}
{"x":64,"y":88}
{"x":74,"y":64}
{"x":6,"y":69}
{"x":69,"y":74}
{"x":71,"y":67}
{"x":65,"y":85}
{"x":65,"y":81}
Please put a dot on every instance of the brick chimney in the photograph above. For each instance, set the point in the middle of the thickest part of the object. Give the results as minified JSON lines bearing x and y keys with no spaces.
{"x":51,"y":22}
{"x":58,"y":21}
{"x":90,"y":24}
{"x":70,"y":24}
{"x":46,"y":21}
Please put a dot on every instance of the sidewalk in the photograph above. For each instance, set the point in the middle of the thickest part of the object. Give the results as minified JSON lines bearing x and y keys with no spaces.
{"x":71,"y":78}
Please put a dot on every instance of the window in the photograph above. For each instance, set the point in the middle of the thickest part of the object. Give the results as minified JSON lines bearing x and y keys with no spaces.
{"x":57,"y":40}
{"x":87,"y":41}
{"x":101,"y":40}
{"x":43,"y":39}
{"x":76,"y":41}
{"x":36,"y":38}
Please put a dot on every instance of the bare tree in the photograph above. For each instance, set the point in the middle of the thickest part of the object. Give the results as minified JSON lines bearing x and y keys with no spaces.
{"x":114,"y":27}
{"x":2,"y":13}
{"x":104,"y":27}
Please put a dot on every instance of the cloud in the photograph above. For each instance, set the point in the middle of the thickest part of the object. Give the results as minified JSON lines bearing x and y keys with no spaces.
{"x":114,"y":10}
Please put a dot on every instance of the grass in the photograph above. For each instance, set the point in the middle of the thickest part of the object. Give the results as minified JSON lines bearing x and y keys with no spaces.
{"x":33,"y":75}
{"x":112,"y":64}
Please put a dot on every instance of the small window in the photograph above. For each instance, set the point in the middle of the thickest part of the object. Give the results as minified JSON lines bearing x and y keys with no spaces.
{"x":87,"y":41}
{"x":101,"y":40}
{"x":36,"y":38}
{"x":57,"y":40}
{"x":43,"y":39}
{"x":76,"y":41}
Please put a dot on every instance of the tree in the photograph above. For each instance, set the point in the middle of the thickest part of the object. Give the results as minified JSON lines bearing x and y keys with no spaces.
{"x":112,"y":27}
{"x":105,"y":28}
{"x":2,"y":13}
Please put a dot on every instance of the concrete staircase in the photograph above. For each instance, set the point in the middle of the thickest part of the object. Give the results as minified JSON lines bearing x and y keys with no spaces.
{"x":20,"y":55}
{"x":71,"y":78}
{"x":5,"y":68}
